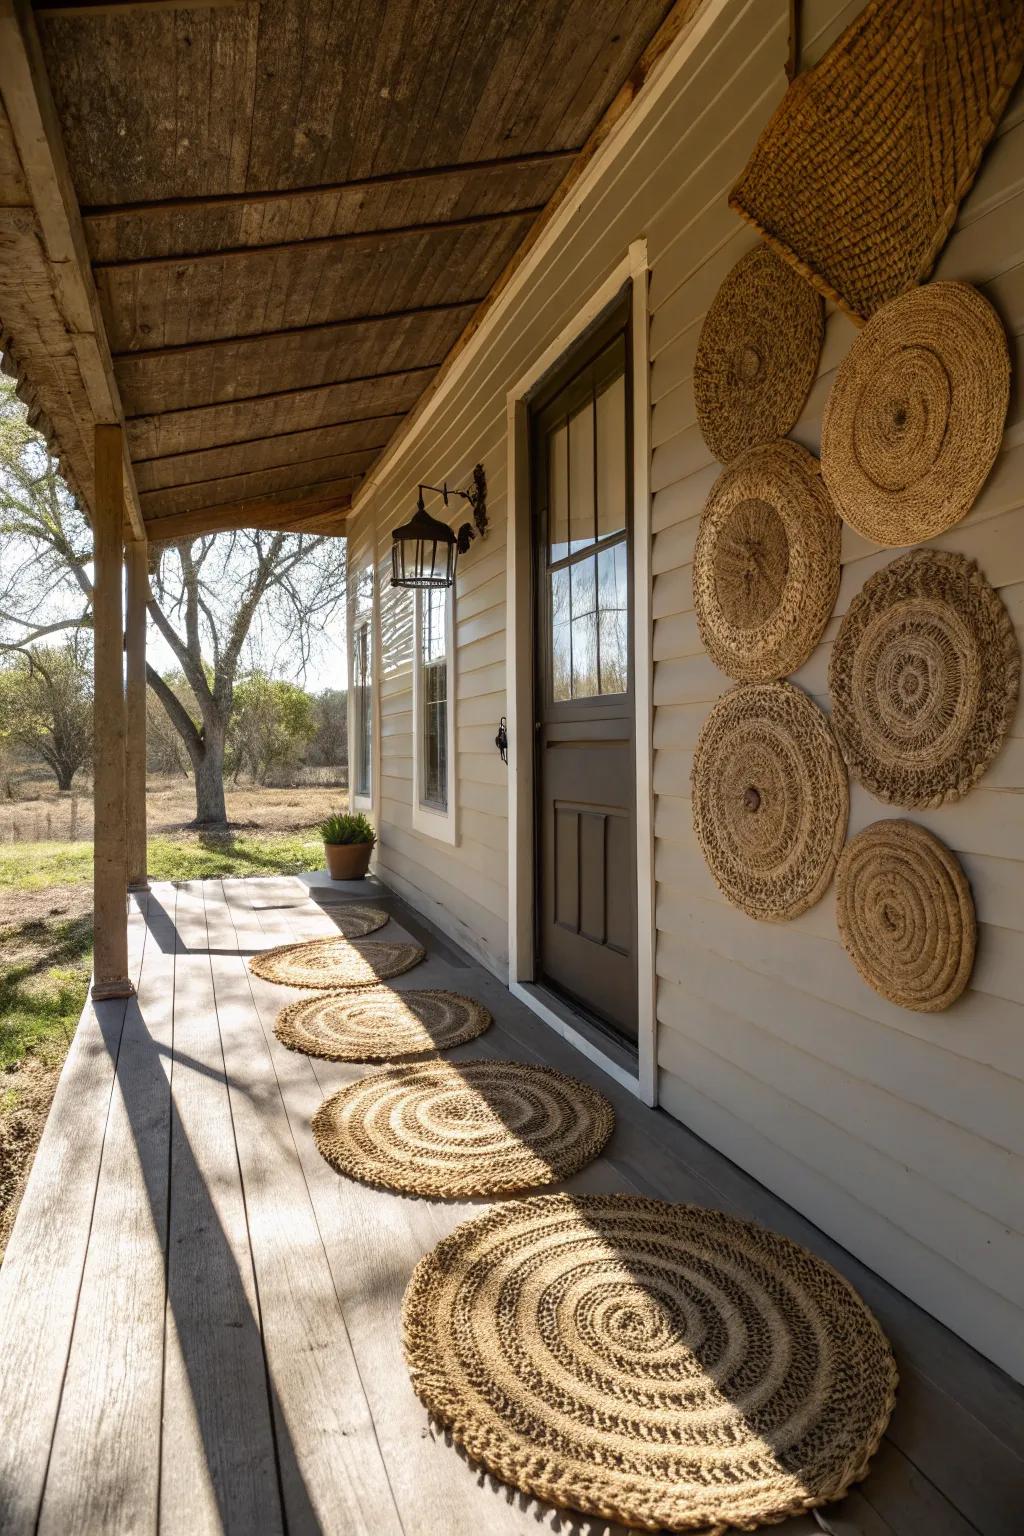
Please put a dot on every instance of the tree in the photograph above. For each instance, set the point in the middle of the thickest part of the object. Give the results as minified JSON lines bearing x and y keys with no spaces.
{"x":222,"y":603}
{"x":329,"y":746}
{"x":272,"y":722}
{"x":165,"y":750}
{"x":46,"y":706}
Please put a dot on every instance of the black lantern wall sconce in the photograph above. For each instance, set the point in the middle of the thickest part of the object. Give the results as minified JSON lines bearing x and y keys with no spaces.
{"x":424,"y":550}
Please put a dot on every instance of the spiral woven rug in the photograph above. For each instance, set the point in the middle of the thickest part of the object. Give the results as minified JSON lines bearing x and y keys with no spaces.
{"x":757,"y":355}
{"x":915,"y":418}
{"x":330,"y":963}
{"x":475,"y":1128}
{"x":766,"y":564}
{"x":661,"y":1365}
{"x":381,"y":1025}
{"x":858,"y":176}
{"x":906,"y":915}
{"x":770,"y":799}
{"x":924,"y":676}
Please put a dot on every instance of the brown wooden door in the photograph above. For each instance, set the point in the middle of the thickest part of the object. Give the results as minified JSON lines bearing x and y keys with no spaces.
{"x":585,"y":771}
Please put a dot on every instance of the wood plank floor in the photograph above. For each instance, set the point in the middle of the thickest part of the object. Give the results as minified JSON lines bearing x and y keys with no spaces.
{"x":199,"y":1318}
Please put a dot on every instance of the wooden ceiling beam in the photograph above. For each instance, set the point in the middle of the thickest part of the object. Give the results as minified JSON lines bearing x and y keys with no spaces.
{"x":89,"y":8}
{"x":540,"y":158}
{"x":264,"y":437}
{"x":263,"y":469}
{"x":180,"y":349}
{"x":321,"y":242}
{"x":36,"y":130}
{"x":286,"y":394}
{"x":324,"y":512}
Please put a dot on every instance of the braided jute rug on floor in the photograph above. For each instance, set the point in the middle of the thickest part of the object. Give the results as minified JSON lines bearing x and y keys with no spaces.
{"x":336,"y":963}
{"x":661,"y":1365}
{"x":381,"y":1025}
{"x":469,"y":1128}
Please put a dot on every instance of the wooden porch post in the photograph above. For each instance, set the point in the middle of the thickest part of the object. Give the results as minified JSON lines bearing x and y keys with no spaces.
{"x":110,"y":869}
{"x":136,"y":591}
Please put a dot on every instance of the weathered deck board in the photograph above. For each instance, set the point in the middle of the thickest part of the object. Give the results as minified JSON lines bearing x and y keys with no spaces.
{"x":199,"y":1318}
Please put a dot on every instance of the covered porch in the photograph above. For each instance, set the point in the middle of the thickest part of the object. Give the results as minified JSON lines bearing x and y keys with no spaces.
{"x":199,"y":1319}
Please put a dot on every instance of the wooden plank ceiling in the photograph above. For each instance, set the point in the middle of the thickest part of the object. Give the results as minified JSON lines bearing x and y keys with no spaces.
{"x":293,"y":208}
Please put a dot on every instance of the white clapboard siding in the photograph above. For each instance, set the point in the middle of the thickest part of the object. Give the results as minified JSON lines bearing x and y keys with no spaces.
{"x":899,"y":1133}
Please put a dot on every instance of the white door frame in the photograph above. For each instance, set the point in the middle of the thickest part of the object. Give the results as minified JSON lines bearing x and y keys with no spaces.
{"x":519,"y":660}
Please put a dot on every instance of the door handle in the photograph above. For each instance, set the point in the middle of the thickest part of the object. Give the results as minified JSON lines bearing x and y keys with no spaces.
{"x":501,"y":740}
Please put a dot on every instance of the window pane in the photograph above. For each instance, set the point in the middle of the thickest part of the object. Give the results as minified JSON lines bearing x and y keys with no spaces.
{"x":611,"y":458}
{"x":561,"y":653}
{"x":558,"y":492}
{"x":362,"y":702}
{"x":435,"y":735}
{"x":581,"y":479}
{"x":584,"y":657}
{"x":583,"y":576}
{"x":434,"y":614}
{"x":613,"y":621}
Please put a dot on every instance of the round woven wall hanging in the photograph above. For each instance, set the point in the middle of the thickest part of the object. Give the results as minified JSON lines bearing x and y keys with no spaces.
{"x":665,"y":1366}
{"x":770,"y":799}
{"x":757,"y":354}
{"x":766,"y":564}
{"x":330,"y":963}
{"x":915,"y":417}
{"x":906,"y":915}
{"x":472,"y":1128}
{"x":924,"y":676}
{"x":381,"y":1025}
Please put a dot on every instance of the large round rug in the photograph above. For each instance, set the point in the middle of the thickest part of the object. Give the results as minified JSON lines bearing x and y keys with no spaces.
{"x":766,"y":564}
{"x":770,"y":799}
{"x":662,"y":1365}
{"x":381,"y":1025}
{"x":757,"y":354}
{"x":472,"y":1128}
{"x":915,"y":418}
{"x":906,"y":915}
{"x":924,"y":676}
{"x":330,"y":963}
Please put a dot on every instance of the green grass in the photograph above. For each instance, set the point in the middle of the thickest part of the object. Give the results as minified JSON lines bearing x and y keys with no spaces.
{"x":41,"y":994}
{"x":35,"y":866}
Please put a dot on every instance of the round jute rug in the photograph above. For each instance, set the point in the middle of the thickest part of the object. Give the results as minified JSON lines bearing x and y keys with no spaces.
{"x":661,"y":1365}
{"x":915,"y":418}
{"x":924,"y":676}
{"x":770,"y":799}
{"x":757,"y":354}
{"x":906,"y":915}
{"x":330,"y":963}
{"x":469,"y":1128}
{"x":381,"y":1025}
{"x":766,"y":564}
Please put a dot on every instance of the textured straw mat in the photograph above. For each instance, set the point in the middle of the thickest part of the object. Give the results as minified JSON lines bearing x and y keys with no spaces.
{"x":330,"y":963}
{"x":766,"y":565}
{"x":906,"y":915}
{"x":757,"y":355}
{"x":380,"y":1025}
{"x":924,"y":676}
{"x":859,"y":174}
{"x":915,"y":418}
{"x":475,"y":1128}
{"x":770,"y":799}
{"x":662,"y":1365}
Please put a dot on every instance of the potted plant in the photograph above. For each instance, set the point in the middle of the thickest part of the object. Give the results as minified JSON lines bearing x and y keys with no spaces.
{"x":348,"y":843}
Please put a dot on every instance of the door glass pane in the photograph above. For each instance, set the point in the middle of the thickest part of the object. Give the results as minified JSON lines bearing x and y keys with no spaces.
{"x":561,"y":652}
{"x":585,"y":681}
{"x":613,"y":619}
{"x":558,"y":492}
{"x":611,"y":458}
{"x":581,"y":479}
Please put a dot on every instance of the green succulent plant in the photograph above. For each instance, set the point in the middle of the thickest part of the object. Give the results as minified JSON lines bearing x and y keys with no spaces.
{"x":347,"y":828}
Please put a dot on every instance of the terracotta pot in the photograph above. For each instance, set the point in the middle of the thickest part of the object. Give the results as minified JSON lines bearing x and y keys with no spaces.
{"x":348,"y":861}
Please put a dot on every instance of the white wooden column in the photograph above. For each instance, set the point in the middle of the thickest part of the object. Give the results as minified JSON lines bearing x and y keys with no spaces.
{"x":110,"y":866}
{"x":136,"y":593}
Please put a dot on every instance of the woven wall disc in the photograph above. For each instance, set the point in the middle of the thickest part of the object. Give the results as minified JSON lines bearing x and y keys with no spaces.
{"x":915,"y":418}
{"x":924,"y":676}
{"x":381,"y":1025}
{"x":471,"y":1128}
{"x":770,"y":799}
{"x":330,"y":963}
{"x":665,"y":1366}
{"x":757,"y":355}
{"x":766,"y":564}
{"x":906,"y":915}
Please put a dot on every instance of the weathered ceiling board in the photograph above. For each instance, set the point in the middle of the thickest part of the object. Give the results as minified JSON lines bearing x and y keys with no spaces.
{"x":293,"y":210}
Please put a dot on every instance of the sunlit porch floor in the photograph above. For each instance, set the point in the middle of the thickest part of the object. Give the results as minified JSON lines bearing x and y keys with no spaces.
{"x":199,"y":1319}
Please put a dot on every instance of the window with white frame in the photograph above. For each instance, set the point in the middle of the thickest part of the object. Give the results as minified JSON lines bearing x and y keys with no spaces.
{"x":433,"y":713}
{"x":362,"y":687}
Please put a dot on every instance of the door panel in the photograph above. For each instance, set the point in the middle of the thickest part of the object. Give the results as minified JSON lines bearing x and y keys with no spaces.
{"x":585,"y":770}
